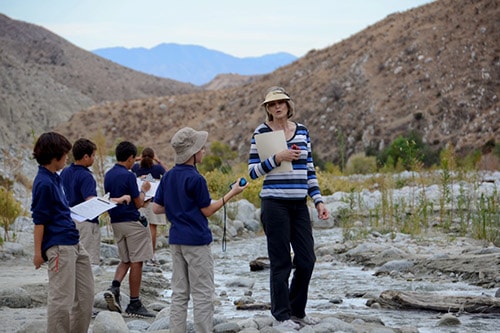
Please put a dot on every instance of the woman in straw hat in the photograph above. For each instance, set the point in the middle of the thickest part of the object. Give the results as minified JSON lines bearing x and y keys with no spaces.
{"x":284,"y":212}
{"x":183,"y":195}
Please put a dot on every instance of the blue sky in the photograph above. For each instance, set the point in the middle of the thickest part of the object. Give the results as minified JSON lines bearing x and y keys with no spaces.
{"x":240,"y":28}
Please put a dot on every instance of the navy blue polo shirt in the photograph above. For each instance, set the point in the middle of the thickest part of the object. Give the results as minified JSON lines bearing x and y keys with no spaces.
{"x":49,"y":207}
{"x":79,"y":184}
{"x":156,"y":170}
{"x":183,"y":192}
{"x":119,"y":181}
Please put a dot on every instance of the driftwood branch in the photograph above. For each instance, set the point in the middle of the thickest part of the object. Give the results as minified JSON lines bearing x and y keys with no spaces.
{"x":253,"y":306}
{"x":411,"y":300}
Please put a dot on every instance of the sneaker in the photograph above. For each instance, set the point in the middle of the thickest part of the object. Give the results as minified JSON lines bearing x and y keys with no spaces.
{"x":305,"y":321}
{"x":112,"y":298}
{"x":136,"y":309}
{"x":286,"y":326}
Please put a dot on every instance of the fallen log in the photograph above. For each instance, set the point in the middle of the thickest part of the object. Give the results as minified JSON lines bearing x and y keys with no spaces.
{"x":407,"y":300}
{"x":253,"y":306}
{"x":259,"y":264}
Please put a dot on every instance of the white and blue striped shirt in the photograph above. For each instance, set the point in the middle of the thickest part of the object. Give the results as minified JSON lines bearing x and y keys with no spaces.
{"x":293,"y":185}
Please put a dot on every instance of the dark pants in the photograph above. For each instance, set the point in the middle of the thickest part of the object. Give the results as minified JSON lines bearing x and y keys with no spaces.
{"x":288,"y":222}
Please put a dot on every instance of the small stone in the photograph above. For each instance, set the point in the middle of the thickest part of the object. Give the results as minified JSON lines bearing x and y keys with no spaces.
{"x":449,"y":320}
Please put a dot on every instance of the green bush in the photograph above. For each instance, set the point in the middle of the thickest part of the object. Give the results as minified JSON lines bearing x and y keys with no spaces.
{"x":10,"y":209}
{"x":410,"y":152}
{"x":218,"y":184}
{"x":361,"y":164}
{"x":218,"y":158}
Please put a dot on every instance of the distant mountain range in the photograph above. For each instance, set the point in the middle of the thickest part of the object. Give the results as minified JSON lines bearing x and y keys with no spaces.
{"x":192,"y":63}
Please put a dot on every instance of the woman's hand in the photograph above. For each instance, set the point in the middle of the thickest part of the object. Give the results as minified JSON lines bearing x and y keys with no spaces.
{"x":288,"y":155}
{"x":323,"y":213}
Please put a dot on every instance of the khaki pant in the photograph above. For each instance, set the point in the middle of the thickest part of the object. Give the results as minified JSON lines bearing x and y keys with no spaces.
{"x":71,"y":289}
{"x":192,"y":273}
{"x":133,"y":241}
{"x":90,"y":238}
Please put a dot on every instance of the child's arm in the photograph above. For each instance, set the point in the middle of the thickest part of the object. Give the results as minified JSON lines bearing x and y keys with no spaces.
{"x":158,"y":209}
{"x":38,"y":236}
{"x":124,"y":199}
{"x":139,"y":201}
{"x":218,"y":204}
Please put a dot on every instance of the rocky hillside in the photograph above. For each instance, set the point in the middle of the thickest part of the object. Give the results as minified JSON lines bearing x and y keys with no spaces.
{"x":434,"y":69}
{"x":223,"y":81}
{"x":45,"y":79}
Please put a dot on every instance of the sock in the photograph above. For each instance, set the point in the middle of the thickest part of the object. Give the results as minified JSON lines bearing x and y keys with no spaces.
{"x":134,"y":299}
{"x":115,"y":283}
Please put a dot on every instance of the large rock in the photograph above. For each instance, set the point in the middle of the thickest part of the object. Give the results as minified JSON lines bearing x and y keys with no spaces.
{"x":15,"y":298}
{"x":109,"y":322}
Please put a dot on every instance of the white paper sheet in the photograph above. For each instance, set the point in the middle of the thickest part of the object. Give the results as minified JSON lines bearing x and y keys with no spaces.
{"x":152,"y":191}
{"x":271,"y":143}
{"x":90,"y":209}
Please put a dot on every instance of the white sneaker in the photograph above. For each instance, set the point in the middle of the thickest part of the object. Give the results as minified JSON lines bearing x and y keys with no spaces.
{"x":306,"y":321}
{"x":286,"y":326}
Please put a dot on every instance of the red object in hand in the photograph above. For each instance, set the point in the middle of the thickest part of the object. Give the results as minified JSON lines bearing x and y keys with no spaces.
{"x":295,"y":147}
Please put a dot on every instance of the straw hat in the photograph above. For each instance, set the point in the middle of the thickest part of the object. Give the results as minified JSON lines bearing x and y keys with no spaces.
{"x":276,"y":94}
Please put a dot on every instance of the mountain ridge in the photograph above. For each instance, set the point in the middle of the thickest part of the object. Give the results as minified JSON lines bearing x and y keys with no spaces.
{"x":45,"y":79}
{"x":433,"y":69}
{"x":193,"y":64}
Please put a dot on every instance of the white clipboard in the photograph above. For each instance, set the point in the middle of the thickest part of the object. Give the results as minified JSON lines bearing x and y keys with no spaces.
{"x":90,"y":209}
{"x":154,"y":185}
{"x":270,"y":143}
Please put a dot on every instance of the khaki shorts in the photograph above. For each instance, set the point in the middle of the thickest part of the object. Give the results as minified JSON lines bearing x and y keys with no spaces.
{"x":90,"y":238}
{"x":158,"y":219}
{"x":133,"y":241}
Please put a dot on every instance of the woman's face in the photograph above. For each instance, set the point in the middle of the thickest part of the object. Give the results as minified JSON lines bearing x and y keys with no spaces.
{"x":278,"y":109}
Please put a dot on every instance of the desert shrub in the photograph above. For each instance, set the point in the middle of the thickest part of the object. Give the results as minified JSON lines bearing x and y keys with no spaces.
{"x":10,"y":209}
{"x":218,"y":184}
{"x":408,"y":151}
{"x":218,"y":158}
{"x":489,"y":157}
{"x":361,"y":164}
{"x":210,"y":163}
{"x":471,"y":160}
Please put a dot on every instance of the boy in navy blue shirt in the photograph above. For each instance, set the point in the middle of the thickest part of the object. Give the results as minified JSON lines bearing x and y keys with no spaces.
{"x":80,"y":185}
{"x":131,"y":233}
{"x":184,"y":197}
{"x":56,"y":241}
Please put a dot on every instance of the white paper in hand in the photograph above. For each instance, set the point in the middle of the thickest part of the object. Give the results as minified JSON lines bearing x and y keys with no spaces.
{"x":270,"y":143}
